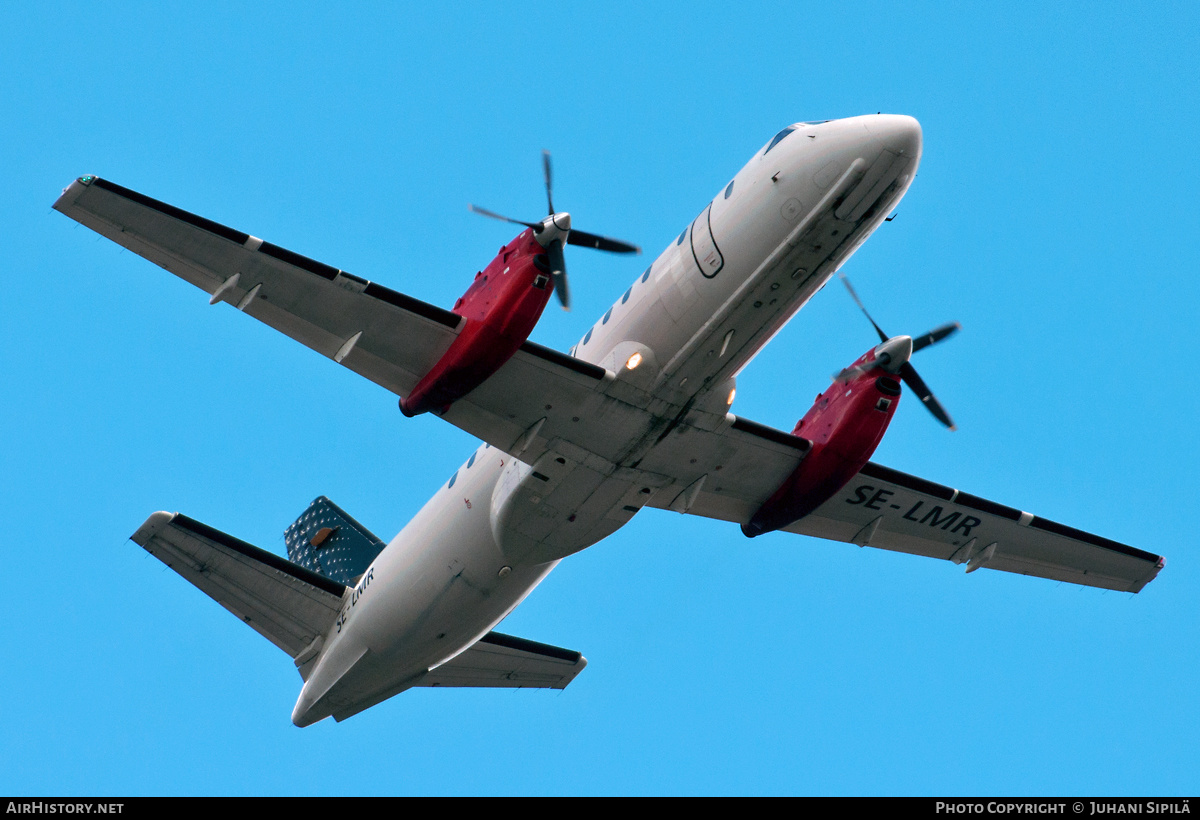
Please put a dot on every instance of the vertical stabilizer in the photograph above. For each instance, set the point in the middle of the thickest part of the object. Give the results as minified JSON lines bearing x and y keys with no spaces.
{"x":327,"y":541}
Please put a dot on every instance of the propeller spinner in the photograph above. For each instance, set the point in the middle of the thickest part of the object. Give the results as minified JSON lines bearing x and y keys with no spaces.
{"x":893,"y":354}
{"x":554,"y":231}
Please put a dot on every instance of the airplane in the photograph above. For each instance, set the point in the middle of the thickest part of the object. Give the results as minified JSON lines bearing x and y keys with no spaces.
{"x":574,"y":445}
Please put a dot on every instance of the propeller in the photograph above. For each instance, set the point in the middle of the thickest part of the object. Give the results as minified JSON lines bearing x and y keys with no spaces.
{"x":893,"y":355}
{"x":555,"y":230}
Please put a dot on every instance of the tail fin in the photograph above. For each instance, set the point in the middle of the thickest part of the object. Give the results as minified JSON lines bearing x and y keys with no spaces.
{"x":327,"y":541}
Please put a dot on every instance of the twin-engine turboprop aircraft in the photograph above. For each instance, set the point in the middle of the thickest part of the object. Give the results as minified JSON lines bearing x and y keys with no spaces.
{"x":637,"y":414}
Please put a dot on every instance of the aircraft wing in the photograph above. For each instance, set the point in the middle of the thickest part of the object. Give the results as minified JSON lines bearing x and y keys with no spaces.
{"x":388,"y":337}
{"x":285,"y":603}
{"x":885,"y":508}
{"x":503,"y":661}
{"x":882,"y":507}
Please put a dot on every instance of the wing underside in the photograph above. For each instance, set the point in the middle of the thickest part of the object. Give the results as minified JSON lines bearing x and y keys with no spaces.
{"x":888,"y":509}
{"x":386,"y":336}
{"x":389,"y":338}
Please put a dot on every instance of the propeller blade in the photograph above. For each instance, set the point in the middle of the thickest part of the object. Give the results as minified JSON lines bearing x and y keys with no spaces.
{"x":909,"y":374}
{"x":600,"y":243}
{"x":883,"y":337}
{"x":563,"y":235}
{"x":935,"y":336}
{"x":485,"y":212}
{"x":546,"y":170}
{"x":558,"y":270}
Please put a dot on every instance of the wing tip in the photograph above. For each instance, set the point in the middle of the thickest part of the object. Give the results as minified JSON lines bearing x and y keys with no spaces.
{"x":151,"y":526}
{"x":71,"y":193}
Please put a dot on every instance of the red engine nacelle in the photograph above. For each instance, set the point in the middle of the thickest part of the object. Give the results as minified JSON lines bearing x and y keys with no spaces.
{"x":501,"y":307}
{"x":845,"y":425}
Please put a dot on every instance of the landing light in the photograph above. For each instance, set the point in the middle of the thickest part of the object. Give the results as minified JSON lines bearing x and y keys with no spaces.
{"x":732,"y":393}
{"x":633,"y":361}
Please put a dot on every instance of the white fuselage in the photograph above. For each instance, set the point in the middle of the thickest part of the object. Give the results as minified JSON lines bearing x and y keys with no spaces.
{"x":753,"y":257}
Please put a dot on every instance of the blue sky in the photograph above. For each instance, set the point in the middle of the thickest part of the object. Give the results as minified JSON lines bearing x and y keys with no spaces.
{"x":1054,"y":216}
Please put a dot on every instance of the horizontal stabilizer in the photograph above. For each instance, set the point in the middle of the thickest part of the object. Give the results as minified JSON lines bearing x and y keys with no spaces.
{"x":504,"y":661}
{"x":285,"y":603}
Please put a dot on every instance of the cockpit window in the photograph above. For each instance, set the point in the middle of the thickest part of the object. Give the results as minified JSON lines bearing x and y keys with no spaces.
{"x":779,"y":138}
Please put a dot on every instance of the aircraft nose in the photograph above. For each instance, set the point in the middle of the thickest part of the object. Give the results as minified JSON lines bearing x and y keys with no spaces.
{"x":899,"y":133}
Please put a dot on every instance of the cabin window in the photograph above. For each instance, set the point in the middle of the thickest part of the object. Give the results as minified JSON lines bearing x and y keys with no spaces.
{"x":728,"y":189}
{"x":588,"y":337}
{"x":779,"y":138}
{"x":646,"y":275}
{"x":607,"y":316}
{"x":471,"y":460}
{"x":625,"y":298}
{"x":679,"y":241}
{"x":453,"y":478}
